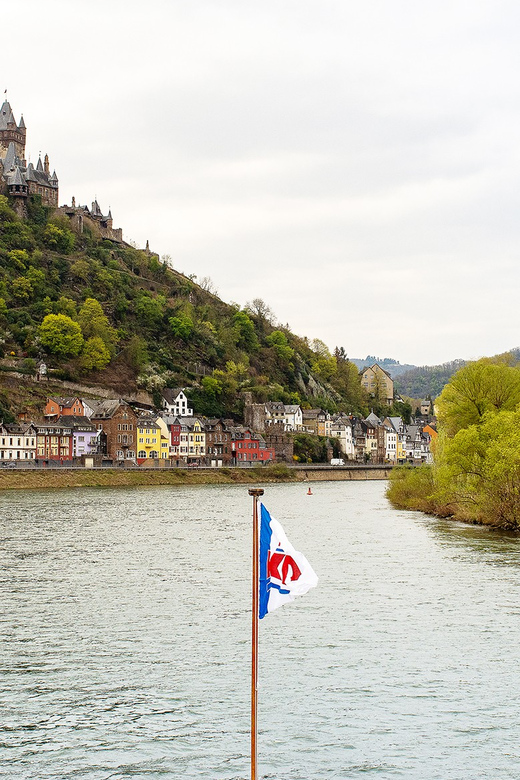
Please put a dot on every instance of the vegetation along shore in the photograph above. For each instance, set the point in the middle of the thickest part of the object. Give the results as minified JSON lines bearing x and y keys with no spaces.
{"x":475,"y":475}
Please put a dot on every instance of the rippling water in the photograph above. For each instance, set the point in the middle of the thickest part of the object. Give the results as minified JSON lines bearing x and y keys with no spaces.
{"x":125,"y":630}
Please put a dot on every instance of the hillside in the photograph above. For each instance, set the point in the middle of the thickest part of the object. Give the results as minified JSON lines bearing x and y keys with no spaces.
{"x":102,"y":312}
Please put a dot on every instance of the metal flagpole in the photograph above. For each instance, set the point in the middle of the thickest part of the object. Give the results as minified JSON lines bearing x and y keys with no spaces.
{"x":255,"y":493}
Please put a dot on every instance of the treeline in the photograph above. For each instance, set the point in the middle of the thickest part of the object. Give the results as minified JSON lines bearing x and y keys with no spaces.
{"x":476,"y":471}
{"x":93,"y":308}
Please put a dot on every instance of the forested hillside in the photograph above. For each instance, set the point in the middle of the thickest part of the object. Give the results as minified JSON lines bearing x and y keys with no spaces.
{"x":105,"y":312}
{"x":426,"y":381}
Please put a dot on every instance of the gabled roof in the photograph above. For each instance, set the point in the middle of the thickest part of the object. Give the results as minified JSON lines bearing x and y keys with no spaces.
{"x":65,"y":402}
{"x":106,"y":409}
{"x":77,"y":423}
{"x":170,"y":394}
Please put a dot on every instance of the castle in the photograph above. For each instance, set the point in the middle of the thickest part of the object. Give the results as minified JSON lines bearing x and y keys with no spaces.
{"x":20,"y":180}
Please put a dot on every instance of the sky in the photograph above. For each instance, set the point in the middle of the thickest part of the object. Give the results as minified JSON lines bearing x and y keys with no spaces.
{"x":355,"y":165}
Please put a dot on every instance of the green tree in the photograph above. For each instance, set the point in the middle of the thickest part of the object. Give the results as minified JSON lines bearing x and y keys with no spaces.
{"x":21,"y":288}
{"x":181,"y":326}
{"x":61,"y":239}
{"x":150,"y":310}
{"x":477,"y":388}
{"x":61,"y":336}
{"x":278,"y":341}
{"x":323,"y":365}
{"x":95,"y":324}
{"x":95,"y":355}
{"x":245,"y":331}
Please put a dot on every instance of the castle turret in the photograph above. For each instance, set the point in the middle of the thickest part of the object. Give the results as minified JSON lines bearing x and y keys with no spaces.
{"x":46,"y":164}
{"x":10,"y":132}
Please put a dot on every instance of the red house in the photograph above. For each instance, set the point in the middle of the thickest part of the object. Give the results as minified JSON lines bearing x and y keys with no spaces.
{"x":248,"y":447}
{"x":56,"y":407}
{"x":54,"y":441}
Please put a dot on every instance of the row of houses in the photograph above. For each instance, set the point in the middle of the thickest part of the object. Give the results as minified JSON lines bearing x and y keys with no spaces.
{"x":75,"y":429}
{"x":382,"y":441}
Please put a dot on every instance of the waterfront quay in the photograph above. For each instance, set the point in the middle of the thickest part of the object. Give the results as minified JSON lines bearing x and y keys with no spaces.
{"x":59,"y":476}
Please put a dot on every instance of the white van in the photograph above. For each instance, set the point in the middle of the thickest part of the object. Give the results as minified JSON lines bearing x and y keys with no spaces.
{"x":337,"y":462}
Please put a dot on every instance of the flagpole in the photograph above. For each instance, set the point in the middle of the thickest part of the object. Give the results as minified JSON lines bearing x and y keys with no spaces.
{"x":255,"y":493}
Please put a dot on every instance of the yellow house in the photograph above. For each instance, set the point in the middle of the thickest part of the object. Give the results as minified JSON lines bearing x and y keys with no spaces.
{"x":378,"y":383}
{"x":165,"y":449}
{"x":192,"y":440}
{"x":149,"y":437}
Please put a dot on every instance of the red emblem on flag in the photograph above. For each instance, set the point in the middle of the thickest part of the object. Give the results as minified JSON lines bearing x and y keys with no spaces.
{"x":279,"y":564}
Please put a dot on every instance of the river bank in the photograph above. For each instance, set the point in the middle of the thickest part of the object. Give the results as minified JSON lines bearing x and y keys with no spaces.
{"x":22,"y":479}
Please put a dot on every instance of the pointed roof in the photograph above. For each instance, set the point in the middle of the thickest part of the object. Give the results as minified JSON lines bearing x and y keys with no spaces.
{"x":39,"y":167}
{"x":30,"y":174}
{"x":16,"y":178}
{"x":21,"y":125}
{"x":6,"y":115}
{"x":10,"y":157}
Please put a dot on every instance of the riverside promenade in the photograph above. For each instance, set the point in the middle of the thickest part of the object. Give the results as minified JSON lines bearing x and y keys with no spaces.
{"x":66,"y":477}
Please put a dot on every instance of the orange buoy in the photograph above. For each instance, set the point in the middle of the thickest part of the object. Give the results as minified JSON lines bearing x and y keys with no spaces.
{"x":309,"y":492}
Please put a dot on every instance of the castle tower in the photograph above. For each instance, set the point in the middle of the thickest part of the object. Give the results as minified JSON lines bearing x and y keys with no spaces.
{"x":10,"y":132}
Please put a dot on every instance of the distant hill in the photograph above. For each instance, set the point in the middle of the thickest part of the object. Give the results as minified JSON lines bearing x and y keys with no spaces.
{"x":426,"y":381}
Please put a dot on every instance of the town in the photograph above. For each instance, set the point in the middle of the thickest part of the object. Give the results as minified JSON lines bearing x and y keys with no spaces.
{"x":85,"y":432}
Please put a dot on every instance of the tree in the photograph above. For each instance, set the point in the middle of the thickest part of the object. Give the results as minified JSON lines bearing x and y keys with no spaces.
{"x":61,"y":239}
{"x":95,"y":355}
{"x":278,"y":341}
{"x":61,"y":336}
{"x":181,"y":326}
{"x":323,"y":365}
{"x":95,"y":324}
{"x":245,"y":331}
{"x":150,"y":310}
{"x":477,"y":388}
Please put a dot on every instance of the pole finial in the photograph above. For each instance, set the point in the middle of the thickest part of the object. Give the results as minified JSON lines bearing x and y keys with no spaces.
{"x":256,"y":491}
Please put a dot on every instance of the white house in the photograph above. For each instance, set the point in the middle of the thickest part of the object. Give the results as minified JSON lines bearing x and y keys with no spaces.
{"x":174,"y":402}
{"x":342,"y":429}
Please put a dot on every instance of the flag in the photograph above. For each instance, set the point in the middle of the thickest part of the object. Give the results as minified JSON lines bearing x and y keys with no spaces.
{"x":284,"y":572}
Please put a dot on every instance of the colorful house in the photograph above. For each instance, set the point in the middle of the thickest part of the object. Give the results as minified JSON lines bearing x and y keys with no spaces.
{"x":17,"y":442}
{"x":248,"y":447}
{"x":54,"y":441}
{"x":63,"y":407}
{"x":118,"y":422}
{"x":148,"y":439}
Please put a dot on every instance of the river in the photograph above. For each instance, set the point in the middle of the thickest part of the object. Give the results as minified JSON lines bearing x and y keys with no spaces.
{"x":125,"y":639}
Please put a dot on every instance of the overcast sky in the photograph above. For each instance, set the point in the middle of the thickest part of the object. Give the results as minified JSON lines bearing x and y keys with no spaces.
{"x":354,"y":164}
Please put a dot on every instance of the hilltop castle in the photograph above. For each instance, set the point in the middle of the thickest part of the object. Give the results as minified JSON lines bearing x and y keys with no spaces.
{"x":21,"y":180}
